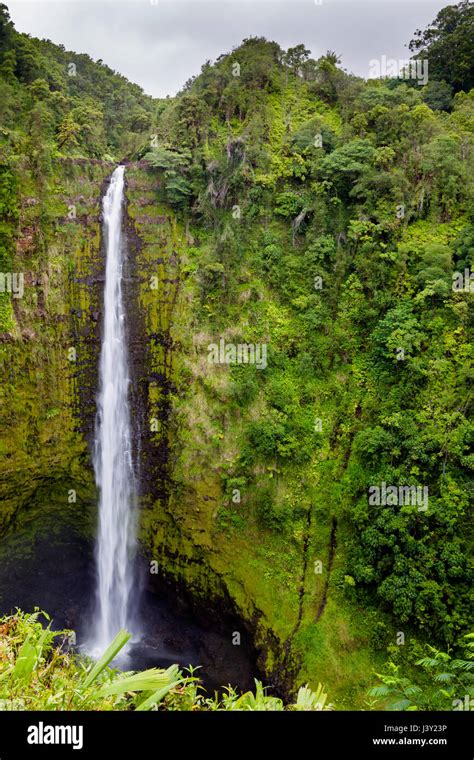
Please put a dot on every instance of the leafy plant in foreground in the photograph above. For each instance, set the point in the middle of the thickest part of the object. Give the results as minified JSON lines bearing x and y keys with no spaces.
{"x":443,"y":682}
{"x":36,"y":675}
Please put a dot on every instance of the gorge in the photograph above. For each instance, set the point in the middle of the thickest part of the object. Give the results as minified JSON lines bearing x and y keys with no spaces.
{"x":257,"y":551}
{"x":97,"y":591}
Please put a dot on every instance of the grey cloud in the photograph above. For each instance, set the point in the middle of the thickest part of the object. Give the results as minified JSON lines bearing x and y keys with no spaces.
{"x":160,"y":46}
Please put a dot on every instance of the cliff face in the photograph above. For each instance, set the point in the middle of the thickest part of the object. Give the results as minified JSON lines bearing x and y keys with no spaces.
{"x":321,"y":221}
{"x":196,"y":518}
{"x":201,"y":500}
{"x":181,"y":492}
{"x":49,"y":353}
{"x":49,"y":358}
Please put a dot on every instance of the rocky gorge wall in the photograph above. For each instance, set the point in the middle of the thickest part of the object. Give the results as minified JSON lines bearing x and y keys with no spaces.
{"x":186,"y":435}
{"x":49,"y":353}
{"x":201,"y":542}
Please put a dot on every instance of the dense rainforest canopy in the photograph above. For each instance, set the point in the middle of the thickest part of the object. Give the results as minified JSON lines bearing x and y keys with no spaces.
{"x":332,"y":219}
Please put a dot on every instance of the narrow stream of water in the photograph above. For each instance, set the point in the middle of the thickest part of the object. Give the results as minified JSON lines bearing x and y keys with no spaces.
{"x":116,"y":537}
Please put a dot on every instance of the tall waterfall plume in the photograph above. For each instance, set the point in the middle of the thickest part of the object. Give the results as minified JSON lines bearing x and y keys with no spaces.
{"x":116,"y":539}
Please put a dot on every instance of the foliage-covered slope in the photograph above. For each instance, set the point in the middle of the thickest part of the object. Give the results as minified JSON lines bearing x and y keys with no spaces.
{"x":327,"y":218}
{"x":64,"y":100}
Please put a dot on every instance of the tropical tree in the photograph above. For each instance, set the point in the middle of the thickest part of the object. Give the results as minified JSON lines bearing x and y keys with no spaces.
{"x":448,"y":44}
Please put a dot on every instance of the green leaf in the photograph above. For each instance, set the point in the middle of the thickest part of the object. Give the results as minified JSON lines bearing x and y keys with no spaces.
{"x":157,"y":696}
{"x":112,"y":650}
{"x":148,"y":680}
{"x":25,"y":661}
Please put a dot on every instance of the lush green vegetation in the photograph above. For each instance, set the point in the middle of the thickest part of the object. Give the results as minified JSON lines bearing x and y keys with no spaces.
{"x":38,"y":672}
{"x":55,"y":101}
{"x":354,"y":209}
{"x":329,"y":216}
{"x":440,"y":682}
{"x":323,"y":216}
{"x":447,"y":43}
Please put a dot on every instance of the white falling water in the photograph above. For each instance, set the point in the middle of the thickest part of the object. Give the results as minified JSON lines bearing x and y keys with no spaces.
{"x":116,"y":540}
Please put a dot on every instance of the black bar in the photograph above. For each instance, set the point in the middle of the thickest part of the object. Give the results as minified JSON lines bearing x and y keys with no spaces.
{"x":174,"y":734}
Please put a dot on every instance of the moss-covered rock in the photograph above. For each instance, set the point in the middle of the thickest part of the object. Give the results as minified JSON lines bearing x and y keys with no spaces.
{"x":301,"y":621}
{"x":49,"y":356}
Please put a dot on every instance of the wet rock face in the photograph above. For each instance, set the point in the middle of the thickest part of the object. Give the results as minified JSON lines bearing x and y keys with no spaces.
{"x":54,"y":570}
{"x":49,"y":500}
{"x":150,"y":298}
{"x":177,"y":508}
{"x":49,"y":360}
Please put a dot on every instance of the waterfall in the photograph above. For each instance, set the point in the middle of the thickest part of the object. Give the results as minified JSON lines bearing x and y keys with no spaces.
{"x":116,"y":539}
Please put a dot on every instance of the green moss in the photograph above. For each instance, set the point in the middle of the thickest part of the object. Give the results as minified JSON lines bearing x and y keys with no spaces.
{"x":199,"y":537}
{"x":45,"y":456}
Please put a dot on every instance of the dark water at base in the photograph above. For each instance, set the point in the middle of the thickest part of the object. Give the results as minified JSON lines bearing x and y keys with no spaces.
{"x":54,"y":572}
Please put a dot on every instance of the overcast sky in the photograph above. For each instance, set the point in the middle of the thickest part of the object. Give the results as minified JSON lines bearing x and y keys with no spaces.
{"x":161,"y":43}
